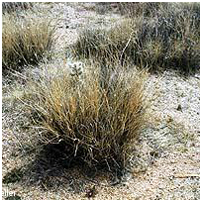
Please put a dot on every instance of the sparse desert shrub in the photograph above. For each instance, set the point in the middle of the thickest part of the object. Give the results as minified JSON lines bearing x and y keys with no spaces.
{"x":95,"y":122}
{"x":169,"y":38}
{"x":25,"y":40}
{"x":8,"y":7}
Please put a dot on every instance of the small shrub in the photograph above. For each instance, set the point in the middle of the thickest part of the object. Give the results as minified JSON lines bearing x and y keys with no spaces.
{"x":24,"y":40}
{"x":96,"y":122}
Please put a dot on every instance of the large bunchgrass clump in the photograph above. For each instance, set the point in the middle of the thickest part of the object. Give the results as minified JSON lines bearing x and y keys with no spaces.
{"x":95,"y":116}
{"x":25,"y":40}
{"x":168,"y":37}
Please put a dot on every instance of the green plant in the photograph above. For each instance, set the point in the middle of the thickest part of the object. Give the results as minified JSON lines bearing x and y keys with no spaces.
{"x":24,"y":40}
{"x":95,"y":116}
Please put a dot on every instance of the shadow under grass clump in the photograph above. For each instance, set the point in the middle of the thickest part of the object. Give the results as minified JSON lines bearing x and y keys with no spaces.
{"x":15,"y":197}
{"x":13,"y":176}
{"x":167,"y":38}
{"x":53,"y":168}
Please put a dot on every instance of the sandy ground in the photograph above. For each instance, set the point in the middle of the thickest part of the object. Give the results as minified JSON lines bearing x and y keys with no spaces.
{"x":166,"y":160}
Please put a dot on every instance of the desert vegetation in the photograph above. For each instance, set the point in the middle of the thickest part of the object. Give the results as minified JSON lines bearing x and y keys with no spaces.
{"x":93,"y":104}
{"x":96,"y":117}
{"x":25,"y":40}
{"x":96,"y":111}
{"x":15,"y":6}
{"x":157,"y":35}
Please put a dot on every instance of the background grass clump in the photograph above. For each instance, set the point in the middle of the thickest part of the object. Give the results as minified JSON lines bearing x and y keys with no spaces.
{"x":168,"y":38}
{"x":129,"y":9}
{"x":25,"y":40}
{"x":107,"y":45}
{"x":172,"y":38}
{"x":96,"y":122}
{"x":8,"y":7}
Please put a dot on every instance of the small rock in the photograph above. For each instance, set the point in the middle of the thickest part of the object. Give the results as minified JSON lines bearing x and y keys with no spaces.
{"x":179,"y":108}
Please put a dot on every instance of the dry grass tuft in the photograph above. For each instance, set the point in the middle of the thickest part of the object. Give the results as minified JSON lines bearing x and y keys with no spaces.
{"x":8,"y":7}
{"x":106,"y":45}
{"x":129,"y":9}
{"x":95,"y":116}
{"x":168,"y":37}
{"x":25,"y":40}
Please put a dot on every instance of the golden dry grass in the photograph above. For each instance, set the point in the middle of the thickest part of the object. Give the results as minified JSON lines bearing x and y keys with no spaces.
{"x":53,"y":105}
{"x":25,"y":40}
{"x":94,"y":115}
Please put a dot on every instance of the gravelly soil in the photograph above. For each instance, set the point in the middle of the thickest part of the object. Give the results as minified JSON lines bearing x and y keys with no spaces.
{"x":167,"y":158}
